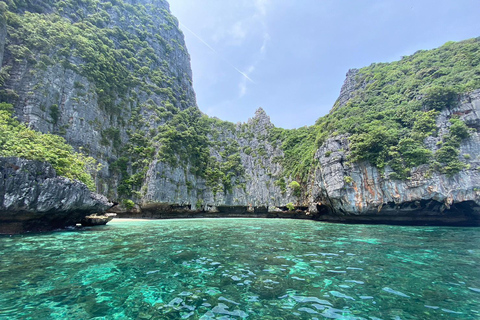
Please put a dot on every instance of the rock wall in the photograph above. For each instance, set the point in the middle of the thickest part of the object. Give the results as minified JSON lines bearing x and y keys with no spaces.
{"x":348,"y":88}
{"x":60,"y":98}
{"x":256,"y":188}
{"x":3,"y":33}
{"x":359,"y":192}
{"x":34,"y":198}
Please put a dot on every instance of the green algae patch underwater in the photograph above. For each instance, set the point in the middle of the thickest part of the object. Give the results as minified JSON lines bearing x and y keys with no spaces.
{"x":242,"y":269}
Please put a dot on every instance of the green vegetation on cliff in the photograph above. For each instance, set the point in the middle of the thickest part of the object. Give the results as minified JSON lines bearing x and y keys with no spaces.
{"x":299,"y":149}
{"x":77,"y":36}
{"x":393,"y":109}
{"x":187,"y":140}
{"x":128,"y":57}
{"x":131,"y":54}
{"x":17,"y":140}
{"x":394,"y":105}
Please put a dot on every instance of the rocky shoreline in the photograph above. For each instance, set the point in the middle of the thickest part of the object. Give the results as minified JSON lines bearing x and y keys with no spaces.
{"x":204,"y":214}
{"x":415,"y":214}
{"x":359,"y":191}
{"x":33,"y":198}
{"x":97,"y":220}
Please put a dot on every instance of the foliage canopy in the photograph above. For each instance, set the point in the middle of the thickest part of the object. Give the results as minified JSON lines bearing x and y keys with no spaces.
{"x":17,"y":140}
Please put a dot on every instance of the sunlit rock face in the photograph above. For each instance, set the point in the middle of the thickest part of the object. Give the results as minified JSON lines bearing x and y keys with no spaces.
{"x":348,"y":89}
{"x":122,"y":86}
{"x":55,"y":88}
{"x":256,"y":187}
{"x":361,"y":192}
{"x":58,"y":93}
{"x":34,"y":198}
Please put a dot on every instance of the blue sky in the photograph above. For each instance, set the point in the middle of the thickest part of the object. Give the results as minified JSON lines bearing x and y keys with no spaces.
{"x":290,"y":57}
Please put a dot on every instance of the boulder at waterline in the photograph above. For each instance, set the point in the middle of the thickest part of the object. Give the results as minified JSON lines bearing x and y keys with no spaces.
{"x":34,"y":198}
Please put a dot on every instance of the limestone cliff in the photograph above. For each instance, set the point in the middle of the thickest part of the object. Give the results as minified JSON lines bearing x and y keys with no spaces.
{"x":253,"y":185}
{"x":117,"y":85}
{"x":95,"y":84}
{"x":114,"y":79}
{"x":360,"y":192}
{"x":348,"y":89}
{"x":34,"y":198}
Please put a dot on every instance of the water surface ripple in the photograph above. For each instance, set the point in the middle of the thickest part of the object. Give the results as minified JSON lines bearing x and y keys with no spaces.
{"x":242,"y":269}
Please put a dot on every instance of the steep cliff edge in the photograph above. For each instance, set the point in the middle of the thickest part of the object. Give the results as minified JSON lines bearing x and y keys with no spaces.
{"x":115,"y":82}
{"x":34,"y":198}
{"x":114,"y":79}
{"x":95,"y":73}
{"x":401,"y":144}
{"x":241,"y":174}
{"x":360,"y":192}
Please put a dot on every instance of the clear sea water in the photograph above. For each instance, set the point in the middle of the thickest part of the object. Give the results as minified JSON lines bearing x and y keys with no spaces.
{"x":241,"y":269}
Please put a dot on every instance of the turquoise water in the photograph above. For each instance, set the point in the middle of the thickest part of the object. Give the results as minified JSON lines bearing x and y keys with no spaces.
{"x":242,"y":269}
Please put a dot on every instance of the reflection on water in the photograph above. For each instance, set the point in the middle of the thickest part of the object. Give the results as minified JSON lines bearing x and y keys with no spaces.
{"x":242,"y":269}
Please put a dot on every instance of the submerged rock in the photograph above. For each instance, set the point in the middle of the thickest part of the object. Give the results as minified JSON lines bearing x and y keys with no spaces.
{"x":183,"y":256}
{"x":34,"y":198}
{"x":269,"y":287}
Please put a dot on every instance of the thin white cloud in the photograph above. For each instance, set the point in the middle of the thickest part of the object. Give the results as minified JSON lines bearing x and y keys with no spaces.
{"x":242,"y":88}
{"x":260,"y":8}
{"x":216,"y":52}
{"x":258,"y":18}
{"x":243,"y":74}
{"x":253,"y":24}
{"x":196,"y":36}
{"x":253,"y":14}
{"x":263,"y":48}
{"x":243,"y":83}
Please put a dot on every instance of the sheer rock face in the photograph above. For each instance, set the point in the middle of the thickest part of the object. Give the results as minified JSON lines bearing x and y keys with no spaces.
{"x":360,"y":192}
{"x":34,"y":198}
{"x":167,"y":185}
{"x":369,"y":196}
{"x":82,"y":119}
{"x":3,"y":37}
{"x":85,"y":124}
{"x":348,"y":88}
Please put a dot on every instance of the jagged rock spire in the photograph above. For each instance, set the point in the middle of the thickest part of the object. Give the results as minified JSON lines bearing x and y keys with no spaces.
{"x":261,"y":119}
